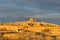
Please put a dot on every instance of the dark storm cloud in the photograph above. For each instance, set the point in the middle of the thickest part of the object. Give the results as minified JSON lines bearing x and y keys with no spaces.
{"x":30,"y":8}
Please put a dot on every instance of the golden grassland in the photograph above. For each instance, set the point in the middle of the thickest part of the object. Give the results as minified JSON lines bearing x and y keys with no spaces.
{"x":29,"y":30}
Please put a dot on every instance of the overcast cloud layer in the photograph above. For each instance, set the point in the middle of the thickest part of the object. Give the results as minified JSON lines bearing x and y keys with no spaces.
{"x":49,"y":9}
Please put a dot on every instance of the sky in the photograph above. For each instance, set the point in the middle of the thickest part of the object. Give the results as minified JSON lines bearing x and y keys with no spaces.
{"x":45,"y":9}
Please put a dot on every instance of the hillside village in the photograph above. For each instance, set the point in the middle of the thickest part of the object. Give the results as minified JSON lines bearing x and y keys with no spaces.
{"x":31,"y":26}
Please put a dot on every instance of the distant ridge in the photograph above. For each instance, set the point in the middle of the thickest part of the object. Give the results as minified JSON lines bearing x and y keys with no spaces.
{"x":13,"y":19}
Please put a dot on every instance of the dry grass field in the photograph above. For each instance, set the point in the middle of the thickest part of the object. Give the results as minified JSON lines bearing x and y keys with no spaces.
{"x":29,"y":30}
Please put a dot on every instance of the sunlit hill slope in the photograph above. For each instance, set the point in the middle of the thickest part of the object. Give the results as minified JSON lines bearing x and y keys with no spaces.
{"x":29,"y":30}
